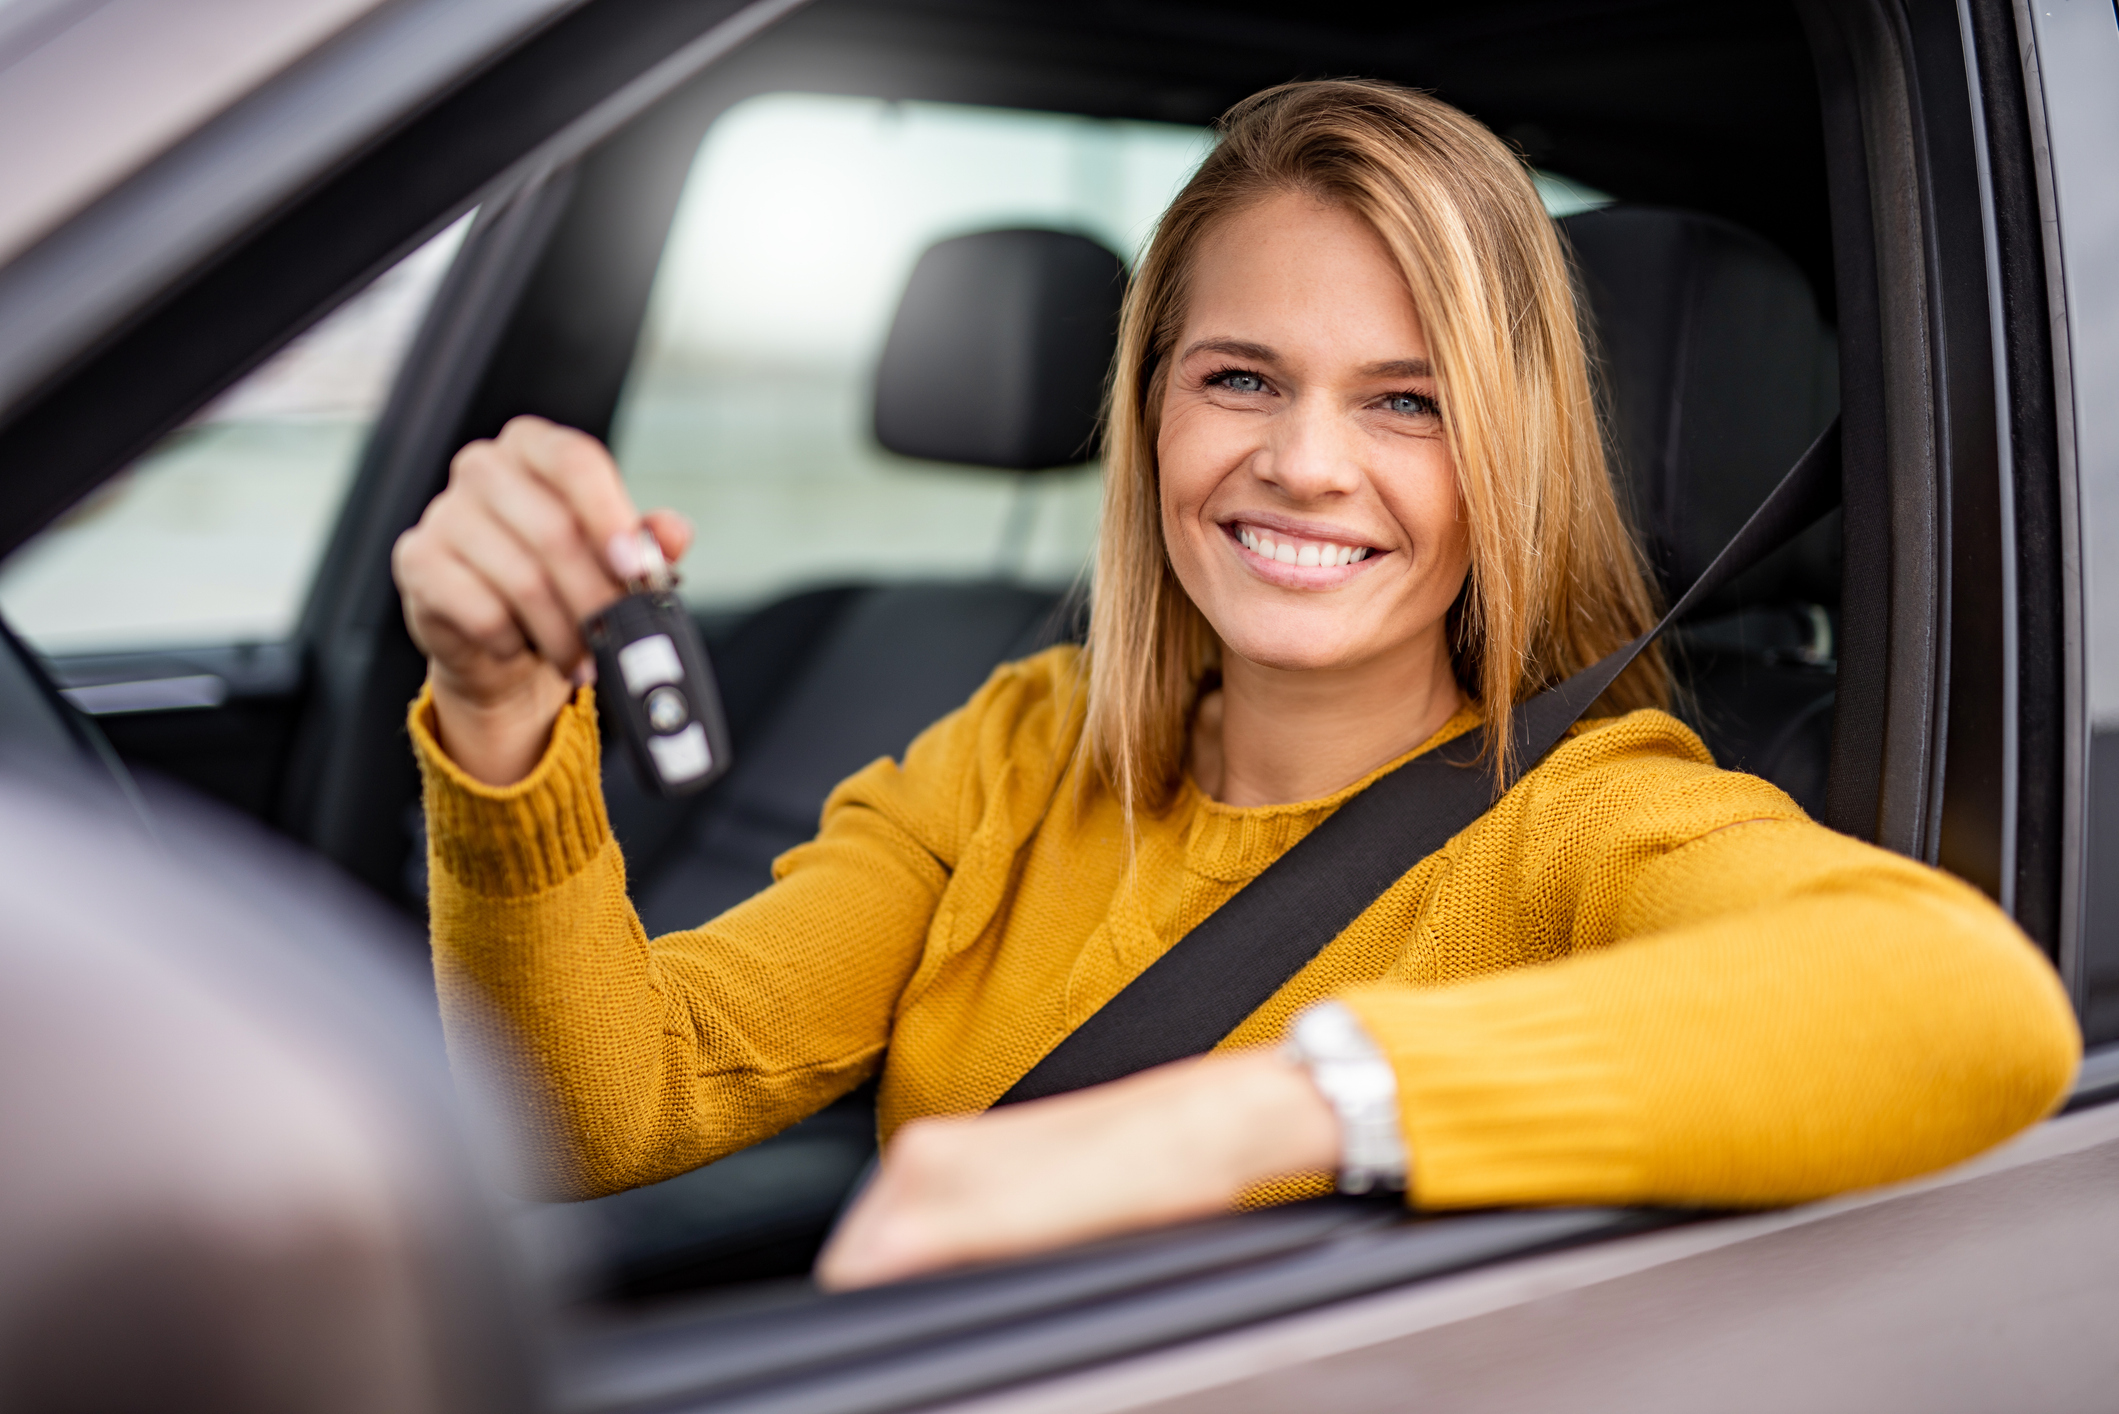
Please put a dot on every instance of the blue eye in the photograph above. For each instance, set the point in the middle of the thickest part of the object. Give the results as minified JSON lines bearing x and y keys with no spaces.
{"x":1238,"y":380}
{"x":1410,"y":404}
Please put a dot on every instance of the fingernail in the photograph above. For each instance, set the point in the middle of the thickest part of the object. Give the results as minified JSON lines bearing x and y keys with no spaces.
{"x":584,"y":674}
{"x":623,"y":553}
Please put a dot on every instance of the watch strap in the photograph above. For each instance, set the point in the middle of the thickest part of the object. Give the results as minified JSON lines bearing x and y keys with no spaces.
{"x":1357,"y":1081}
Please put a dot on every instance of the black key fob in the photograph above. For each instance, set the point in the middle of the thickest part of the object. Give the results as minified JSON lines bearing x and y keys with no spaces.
{"x":656,"y":687}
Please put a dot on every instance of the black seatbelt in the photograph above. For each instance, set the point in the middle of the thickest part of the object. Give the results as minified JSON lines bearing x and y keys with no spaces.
{"x":1245,"y":951}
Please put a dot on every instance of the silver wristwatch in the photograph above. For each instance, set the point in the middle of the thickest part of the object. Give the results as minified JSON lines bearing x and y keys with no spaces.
{"x":1327,"y":1039}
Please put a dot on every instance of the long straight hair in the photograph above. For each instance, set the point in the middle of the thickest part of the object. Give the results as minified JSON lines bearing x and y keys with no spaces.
{"x":1556,"y":580}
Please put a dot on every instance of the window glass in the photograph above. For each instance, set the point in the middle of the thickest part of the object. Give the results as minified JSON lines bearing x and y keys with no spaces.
{"x":748,"y":407}
{"x":213,"y":536}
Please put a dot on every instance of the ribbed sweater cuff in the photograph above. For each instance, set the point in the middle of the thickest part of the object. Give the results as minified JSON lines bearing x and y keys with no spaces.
{"x":1508,"y":1093}
{"x":521,"y":839}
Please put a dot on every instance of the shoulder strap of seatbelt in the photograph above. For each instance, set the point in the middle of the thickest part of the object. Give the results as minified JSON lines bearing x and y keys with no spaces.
{"x":1215,"y":976}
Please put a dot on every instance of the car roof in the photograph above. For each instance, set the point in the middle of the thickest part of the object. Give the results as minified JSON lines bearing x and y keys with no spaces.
{"x":104,"y":88}
{"x":163,"y":127}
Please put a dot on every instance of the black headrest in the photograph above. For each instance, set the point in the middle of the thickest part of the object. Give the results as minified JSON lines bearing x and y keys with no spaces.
{"x":998,"y":353}
{"x":1720,"y":373}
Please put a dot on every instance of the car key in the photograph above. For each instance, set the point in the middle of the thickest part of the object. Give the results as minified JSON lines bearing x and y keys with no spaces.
{"x":655,"y":685}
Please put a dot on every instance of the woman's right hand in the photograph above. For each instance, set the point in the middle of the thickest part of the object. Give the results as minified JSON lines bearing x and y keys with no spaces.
{"x":497,"y":577}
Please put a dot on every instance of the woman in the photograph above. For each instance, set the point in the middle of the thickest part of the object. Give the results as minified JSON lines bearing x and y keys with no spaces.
{"x":1356,"y":507}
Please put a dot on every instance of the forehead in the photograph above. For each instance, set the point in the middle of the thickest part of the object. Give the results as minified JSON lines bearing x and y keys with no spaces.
{"x":1301,"y":275}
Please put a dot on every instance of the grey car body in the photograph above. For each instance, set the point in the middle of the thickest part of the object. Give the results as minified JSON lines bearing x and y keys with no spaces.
{"x":187,"y":186}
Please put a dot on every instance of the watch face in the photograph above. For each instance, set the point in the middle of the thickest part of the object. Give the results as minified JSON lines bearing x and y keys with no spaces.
{"x":1329,"y":1031}
{"x":1365,"y":1084}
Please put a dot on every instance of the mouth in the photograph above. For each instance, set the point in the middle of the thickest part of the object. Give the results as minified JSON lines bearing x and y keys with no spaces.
{"x":1305,"y":558}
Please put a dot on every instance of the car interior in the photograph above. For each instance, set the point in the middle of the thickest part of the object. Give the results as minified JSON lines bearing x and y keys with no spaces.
{"x":847,"y":298}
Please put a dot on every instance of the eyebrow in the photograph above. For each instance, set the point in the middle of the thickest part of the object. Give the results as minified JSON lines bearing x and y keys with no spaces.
{"x":1234,"y":348}
{"x":1400,"y":368}
{"x":1259,"y":353}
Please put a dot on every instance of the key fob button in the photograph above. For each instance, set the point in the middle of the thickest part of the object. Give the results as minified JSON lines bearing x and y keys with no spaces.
{"x":667,"y":709}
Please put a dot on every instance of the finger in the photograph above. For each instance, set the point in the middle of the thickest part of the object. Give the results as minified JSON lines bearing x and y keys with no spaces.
{"x":515,"y":574}
{"x":576,"y":466}
{"x":448,"y":609}
{"x":451,"y":605}
{"x":672,"y":531}
{"x":531,"y":511}
{"x":887,"y":1235}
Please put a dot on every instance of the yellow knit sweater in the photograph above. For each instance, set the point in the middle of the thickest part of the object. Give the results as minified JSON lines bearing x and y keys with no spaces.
{"x":1637,"y":979}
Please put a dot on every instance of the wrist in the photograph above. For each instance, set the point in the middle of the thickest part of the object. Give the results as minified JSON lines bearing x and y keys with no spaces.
{"x":497,"y":738}
{"x":1330,"y":1045}
{"x":1268,"y":1121}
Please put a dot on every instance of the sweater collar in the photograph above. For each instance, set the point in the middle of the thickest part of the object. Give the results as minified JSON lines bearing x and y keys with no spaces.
{"x":1234,"y":842}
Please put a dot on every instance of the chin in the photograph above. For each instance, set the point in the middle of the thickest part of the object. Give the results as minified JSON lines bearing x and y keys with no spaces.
{"x":1295,"y":649}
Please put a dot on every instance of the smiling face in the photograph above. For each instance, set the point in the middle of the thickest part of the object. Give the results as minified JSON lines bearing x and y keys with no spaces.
{"x":1309,"y":497}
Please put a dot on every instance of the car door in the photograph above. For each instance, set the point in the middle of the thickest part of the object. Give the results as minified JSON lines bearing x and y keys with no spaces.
{"x":1959,"y":733}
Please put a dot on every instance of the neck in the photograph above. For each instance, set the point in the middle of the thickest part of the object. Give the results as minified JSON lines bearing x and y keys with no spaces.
{"x":1273,"y":736}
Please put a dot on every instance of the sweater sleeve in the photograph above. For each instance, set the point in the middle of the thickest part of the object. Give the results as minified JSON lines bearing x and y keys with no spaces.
{"x":1744,"y":1007}
{"x":627,"y":1059}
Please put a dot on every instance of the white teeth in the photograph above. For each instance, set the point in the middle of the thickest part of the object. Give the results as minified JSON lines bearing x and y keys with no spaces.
{"x":1314,"y":553}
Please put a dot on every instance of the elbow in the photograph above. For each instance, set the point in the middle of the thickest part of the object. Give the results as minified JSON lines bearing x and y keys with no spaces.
{"x":1975,"y":1042}
{"x":2037,"y":1071}
{"x":2016,"y":1050}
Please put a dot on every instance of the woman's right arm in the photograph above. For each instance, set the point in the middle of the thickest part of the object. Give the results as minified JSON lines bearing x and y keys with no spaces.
{"x":620,"y":1059}
{"x":623,"y":1059}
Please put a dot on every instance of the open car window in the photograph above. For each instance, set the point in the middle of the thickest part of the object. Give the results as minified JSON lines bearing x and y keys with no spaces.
{"x":212,"y":538}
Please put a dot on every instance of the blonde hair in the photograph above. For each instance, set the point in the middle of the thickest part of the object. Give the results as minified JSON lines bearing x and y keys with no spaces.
{"x":1556,"y":580}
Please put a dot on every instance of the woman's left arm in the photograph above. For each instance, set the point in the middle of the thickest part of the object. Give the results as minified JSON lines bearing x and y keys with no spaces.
{"x":1763,"y":1012}
{"x":1780,"y":1013}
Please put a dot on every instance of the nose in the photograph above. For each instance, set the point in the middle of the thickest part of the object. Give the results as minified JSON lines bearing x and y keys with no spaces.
{"x":1309,"y":452}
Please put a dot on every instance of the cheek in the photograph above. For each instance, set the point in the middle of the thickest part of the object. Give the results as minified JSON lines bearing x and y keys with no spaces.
{"x":1424,"y":498}
{"x":1189,"y":466}
{"x":1183,"y":463}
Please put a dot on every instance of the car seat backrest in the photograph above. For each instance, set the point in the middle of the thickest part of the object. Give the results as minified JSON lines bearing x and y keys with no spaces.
{"x":1719,"y":372}
{"x":998,"y":351}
